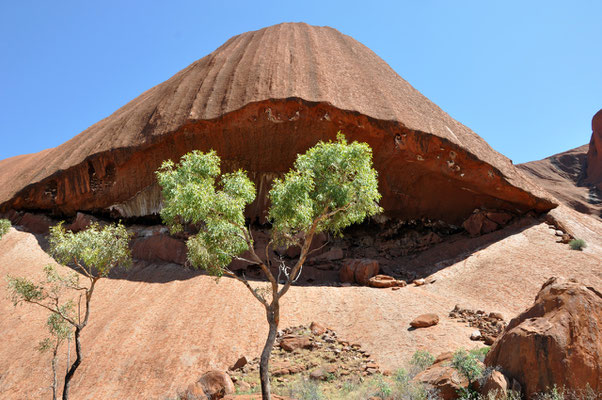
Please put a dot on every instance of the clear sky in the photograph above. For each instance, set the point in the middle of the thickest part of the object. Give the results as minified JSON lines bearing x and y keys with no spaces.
{"x":524,"y":75}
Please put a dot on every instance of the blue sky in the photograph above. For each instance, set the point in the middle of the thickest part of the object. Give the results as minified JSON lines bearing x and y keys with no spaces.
{"x":524,"y":75}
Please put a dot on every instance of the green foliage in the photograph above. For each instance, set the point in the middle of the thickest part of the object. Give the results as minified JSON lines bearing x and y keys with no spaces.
{"x":480,"y":352}
{"x":94,"y":250}
{"x":192,"y":194}
{"x":406,"y":389}
{"x":332,"y":186}
{"x":577,"y":244}
{"x":335,"y":179}
{"x":306,"y":389}
{"x":420,"y":361}
{"x":4,"y":227}
{"x":467,"y":364}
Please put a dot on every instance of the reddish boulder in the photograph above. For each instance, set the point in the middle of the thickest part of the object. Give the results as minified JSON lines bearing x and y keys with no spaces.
{"x":557,"y":341}
{"x":36,"y":223}
{"x":385,"y":281}
{"x":443,"y":377}
{"x":81,"y":222}
{"x":425,"y":320}
{"x":160,"y":247}
{"x":317,"y":329}
{"x":293,"y":342}
{"x":358,"y":271}
{"x":213,"y":385}
{"x":478,"y":224}
{"x":496,"y":386}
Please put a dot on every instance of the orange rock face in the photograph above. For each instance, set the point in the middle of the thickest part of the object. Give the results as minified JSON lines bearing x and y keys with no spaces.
{"x":594,"y":154}
{"x":259,"y":100}
{"x":558,"y":341}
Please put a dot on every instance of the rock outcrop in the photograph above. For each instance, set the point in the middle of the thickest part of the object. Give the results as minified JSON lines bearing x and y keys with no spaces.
{"x":558,"y":341}
{"x":574,"y":177}
{"x":259,"y":100}
{"x":594,"y":153}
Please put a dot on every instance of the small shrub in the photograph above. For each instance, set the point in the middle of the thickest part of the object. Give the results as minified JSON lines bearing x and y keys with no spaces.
{"x":420,"y":361}
{"x":480,"y":353}
{"x":577,"y":244}
{"x":305,"y":389}
{"x":4,"y":227}
{"x":467,"y":364}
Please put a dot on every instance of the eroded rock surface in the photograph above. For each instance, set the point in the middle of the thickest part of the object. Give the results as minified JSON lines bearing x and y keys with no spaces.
{"x":259,"y":100}
{"x":575,"y":176}
{"x":558,"y":341}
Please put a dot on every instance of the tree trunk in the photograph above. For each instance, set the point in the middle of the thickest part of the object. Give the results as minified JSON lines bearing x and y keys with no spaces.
{"x":54,"y":358}
{"x":264,"y":374}
{"x":78,"y":360}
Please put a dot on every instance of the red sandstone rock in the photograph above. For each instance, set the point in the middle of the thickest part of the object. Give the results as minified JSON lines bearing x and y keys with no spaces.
{"x":81,"y":222}
{"x":496,"y":386}
{"x":241,"y":362}
{"x":317,"y":329}
{"x":213,"y":384}
{"x":443,"y":377}
{"x":594,"y":153}
{"x":385,"y":281}
{"x":36,"y":223}
{"x":162,"y":247}
{"x":425,"y":320}
{"x":558,"y":341}
{"x":258,"y":101}
{"x":358,"y":271}
{"x":293,"y":342}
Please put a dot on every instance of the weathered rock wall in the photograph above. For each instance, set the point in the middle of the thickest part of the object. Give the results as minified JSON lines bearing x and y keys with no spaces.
{"x":421,"y":175}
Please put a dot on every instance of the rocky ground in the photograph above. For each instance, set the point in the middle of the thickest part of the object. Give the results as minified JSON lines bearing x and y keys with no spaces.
{"x":160,"y":326}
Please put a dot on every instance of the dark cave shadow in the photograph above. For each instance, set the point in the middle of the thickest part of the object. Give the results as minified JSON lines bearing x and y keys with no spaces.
{"x":453,"y":249}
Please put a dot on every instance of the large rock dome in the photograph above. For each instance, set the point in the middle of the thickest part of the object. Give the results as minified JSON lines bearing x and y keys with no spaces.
{"x":258,"y":100}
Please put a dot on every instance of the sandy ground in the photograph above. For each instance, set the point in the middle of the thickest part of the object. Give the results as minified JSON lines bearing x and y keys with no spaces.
{"x":155,"y":332}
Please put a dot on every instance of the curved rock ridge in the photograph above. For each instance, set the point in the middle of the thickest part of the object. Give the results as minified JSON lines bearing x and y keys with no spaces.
{"x":258,"y":100}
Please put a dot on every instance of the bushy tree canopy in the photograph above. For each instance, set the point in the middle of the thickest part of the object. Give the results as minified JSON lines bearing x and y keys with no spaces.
{"x":332,"y":186}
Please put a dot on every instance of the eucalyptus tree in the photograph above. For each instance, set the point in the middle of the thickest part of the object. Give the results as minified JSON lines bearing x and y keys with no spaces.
{"x":93,"y":253}
{"x":331,"y":186}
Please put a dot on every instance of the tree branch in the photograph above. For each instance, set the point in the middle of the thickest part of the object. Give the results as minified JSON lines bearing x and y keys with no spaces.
{"x":246,"y":283}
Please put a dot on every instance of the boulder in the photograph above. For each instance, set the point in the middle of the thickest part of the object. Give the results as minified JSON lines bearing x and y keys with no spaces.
{"x":317,"y":329}
{"x":557,"y":341}
{"x":442,"y":377}
{"x":36,"y":223}
{"x":478,"y":224}
{"x":160,"y":247}
{"x":385,"y":281}
{"x":241,"y":362}
{"x":358,"y":271}
{"x":81,"y":222}
{"x":293,"y":342}
{"x":424,"y":321}
{"x":496,"y":386}
{"x":213,"y":385}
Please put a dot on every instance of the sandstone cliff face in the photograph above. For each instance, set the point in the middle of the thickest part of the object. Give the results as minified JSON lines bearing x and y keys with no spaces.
{"x":258,"y":100}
